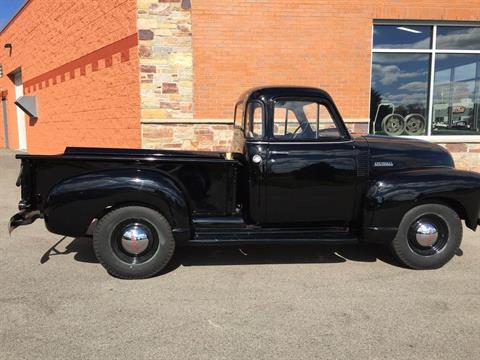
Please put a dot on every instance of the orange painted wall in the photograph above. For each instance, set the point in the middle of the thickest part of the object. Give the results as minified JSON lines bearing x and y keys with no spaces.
{"x":238,"y":44}
{"x":80,"y":59}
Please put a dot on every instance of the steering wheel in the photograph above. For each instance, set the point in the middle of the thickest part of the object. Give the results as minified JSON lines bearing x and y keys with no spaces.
{"x":294,"y":135}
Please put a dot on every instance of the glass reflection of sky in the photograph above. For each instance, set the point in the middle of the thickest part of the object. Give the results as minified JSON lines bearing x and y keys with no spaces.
{"x":458,"y":38}
{"x":419,"y":37}
{"x":402,"y":79}
{"x":402,"y":37}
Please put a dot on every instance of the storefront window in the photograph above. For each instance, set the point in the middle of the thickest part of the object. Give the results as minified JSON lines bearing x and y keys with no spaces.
{"x":458,"y":38}
{"x":455,"y":99}
{"x":400,"y":87}
{"x":425,"y":80}
{"x":402,"y":37}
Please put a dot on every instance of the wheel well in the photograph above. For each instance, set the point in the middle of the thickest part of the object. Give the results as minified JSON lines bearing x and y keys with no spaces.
{"x":164,"y":212}
{"x":453,"y":204}
{"x":110,"y":208}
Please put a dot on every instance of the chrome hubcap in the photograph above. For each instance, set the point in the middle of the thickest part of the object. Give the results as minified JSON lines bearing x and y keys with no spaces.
{"x":426,"y":234}
{"x":135,"y":239}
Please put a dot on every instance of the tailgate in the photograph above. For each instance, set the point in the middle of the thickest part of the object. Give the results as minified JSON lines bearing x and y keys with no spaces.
{"x":27,"y":183}
{"x":28,"y":206}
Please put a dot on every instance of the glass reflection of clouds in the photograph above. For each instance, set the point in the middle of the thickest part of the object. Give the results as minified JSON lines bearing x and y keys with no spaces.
{"x":458,"y":38}
{"x":404,"y":86}
{"x":402,"y":37}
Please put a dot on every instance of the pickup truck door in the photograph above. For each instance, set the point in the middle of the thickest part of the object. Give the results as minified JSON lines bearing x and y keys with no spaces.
{"x":310,"y":171}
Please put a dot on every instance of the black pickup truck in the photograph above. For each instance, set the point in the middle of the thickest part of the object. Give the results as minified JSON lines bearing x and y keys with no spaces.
{"x":297,"y":176}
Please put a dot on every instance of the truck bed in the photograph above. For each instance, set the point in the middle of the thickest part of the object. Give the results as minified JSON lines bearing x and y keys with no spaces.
{"x":208,"y":179}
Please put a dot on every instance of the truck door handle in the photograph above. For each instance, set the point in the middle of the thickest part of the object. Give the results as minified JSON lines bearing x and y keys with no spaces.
{"x":280,"y":152}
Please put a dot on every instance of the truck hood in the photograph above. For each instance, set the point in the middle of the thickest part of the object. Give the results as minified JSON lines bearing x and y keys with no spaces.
{"x":394,"y":153}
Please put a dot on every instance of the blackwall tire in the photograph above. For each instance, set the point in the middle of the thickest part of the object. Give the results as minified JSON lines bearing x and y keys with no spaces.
{"x":133,"y":242}
{"x":418,"y":246}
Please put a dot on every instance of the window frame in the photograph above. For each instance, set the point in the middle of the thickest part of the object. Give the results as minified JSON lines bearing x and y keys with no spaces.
{"x":344,"y":135}
{"x":432,"y":51}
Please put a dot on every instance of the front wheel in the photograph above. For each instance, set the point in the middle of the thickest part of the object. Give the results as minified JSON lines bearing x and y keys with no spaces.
{"x":428,"y":236}
{"x":133,"y":242}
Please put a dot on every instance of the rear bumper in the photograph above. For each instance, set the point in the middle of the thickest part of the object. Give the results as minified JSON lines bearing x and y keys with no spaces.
{"x":24,"y":217}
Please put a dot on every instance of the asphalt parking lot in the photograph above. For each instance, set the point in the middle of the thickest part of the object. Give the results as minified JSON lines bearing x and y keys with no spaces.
{"x":302,"y":302}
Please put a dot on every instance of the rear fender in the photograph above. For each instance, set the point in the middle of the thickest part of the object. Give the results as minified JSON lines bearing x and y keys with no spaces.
{"x":391,"y":195}
{"x":73,"y":204}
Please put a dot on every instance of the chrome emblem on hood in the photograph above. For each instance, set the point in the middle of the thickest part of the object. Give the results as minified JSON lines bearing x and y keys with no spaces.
{"x":383,"y":163}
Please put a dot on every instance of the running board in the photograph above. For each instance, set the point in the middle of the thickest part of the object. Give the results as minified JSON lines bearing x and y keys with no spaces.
{"x":266,"y":241}
{"x":264,"y":236}
{"x":233,"y":230}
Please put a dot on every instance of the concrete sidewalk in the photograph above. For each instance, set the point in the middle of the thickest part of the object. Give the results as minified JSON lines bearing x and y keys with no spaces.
{"x":302,"y":302}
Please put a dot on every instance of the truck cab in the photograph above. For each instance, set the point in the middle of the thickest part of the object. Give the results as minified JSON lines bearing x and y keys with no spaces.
{"x":298,"y":148}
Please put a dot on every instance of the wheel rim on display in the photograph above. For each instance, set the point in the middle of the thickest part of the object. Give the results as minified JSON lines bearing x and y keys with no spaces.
{"x":393,"y":124}
{"x":415,"y":124}
{"x":135,"y":242}
{"x":428,"y":235}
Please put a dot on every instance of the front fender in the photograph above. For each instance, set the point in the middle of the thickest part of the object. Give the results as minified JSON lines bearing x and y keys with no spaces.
{"x":391,"y":195}
{"x":72,"y":204}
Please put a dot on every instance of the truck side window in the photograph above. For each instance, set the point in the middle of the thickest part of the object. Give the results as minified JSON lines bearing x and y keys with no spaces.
{"x":303,"y":120}
{"x":238,"y":116}
{"x":254,"y":120}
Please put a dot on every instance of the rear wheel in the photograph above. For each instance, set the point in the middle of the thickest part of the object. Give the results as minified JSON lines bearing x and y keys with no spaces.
{"x":133,"y":242}
{"x":428,"y":236}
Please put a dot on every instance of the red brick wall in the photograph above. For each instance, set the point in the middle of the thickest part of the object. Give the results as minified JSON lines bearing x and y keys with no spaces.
{"x":238,"y":44}
{"x":80,"y":59}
